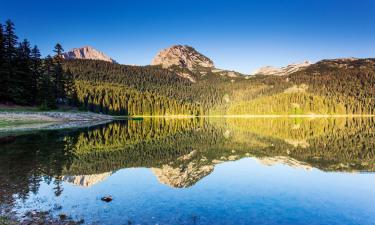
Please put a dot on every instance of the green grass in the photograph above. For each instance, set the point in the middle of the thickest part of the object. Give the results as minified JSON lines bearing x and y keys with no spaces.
{"x":10,"y":109}
{"x":8,"y":123}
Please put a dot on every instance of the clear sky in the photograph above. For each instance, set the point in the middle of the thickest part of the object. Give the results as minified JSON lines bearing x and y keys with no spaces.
{"x":239,"y":35}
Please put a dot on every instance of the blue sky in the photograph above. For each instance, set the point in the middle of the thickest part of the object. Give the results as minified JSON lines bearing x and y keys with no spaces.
{"x":239,"y":35}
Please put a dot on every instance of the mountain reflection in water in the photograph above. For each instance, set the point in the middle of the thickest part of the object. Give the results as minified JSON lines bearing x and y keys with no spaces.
{"x":179,"y":152}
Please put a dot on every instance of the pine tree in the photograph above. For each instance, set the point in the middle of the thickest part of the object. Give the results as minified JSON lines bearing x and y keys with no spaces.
{"x":10,"y":53}
{"x":70,"y":89}
{"x":2,"y":69}
{"x":59,"y":74}
{"x":10,"y":41}
{"x":2,"y":47}
{"x":36,"y":70}
{"x":23,"y":79}
{"x":46,"y":88}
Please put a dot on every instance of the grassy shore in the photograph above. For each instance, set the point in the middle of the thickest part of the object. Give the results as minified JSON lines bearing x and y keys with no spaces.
{"x":8,"y":123}
{"x":27,"y":118}
{"x":13,"y":116}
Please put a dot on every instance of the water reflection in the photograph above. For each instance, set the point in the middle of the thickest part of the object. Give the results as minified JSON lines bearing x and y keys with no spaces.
{"x":180,"y":152}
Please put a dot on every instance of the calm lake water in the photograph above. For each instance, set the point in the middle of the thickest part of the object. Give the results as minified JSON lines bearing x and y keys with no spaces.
{"x":196,"y":171}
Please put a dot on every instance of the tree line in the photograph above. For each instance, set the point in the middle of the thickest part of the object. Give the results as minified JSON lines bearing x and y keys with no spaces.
{"x":346,"y":90}
{"x":348,"y":83}
{"x":122,"y":100}
{"x":28,"y":79}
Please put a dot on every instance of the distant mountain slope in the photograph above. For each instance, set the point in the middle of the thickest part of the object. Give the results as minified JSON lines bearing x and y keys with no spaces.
{"x":342,"y":65}
{"x":336,"y":86}
{"x":87,"y":52}
{"x":283,"y":71}
{"x":183,"y":56}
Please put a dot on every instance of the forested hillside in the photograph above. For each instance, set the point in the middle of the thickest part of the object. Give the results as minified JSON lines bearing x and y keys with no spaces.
{"x":349,"y":82}
{"x":344,"y":86}
{"x":341,"y":86}
{"x":118,"y":99}
{"x":323,"y":88}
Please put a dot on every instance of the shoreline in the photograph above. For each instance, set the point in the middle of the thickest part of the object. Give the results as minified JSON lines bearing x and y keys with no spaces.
{"x":250,"y":116}
{"x":294,"y":116}
{"x":30,"y":117}
{"x":30,"y":120}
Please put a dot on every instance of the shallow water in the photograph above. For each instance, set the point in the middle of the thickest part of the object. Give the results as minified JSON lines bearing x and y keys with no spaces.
{"x":196,"y":171}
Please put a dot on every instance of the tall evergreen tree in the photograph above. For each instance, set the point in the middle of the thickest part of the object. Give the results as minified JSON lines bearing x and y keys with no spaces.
{"x":2,"y":47}
{"x":46,"y":88}
{"x":59,"y":74}
{"x":10,"y":53}
{"x":70,"y":89}
{"x":36,"y":69}
{"x":58,"y":50}
{"x":2,"y":69}
{"x":10,"y":41}
{"x":23,"y":78}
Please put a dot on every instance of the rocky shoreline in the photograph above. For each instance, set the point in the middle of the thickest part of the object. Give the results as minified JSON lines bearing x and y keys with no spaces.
{"x":36,"y":218}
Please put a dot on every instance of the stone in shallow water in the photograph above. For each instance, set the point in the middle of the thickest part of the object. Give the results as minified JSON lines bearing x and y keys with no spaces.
{"x":106,"y":198}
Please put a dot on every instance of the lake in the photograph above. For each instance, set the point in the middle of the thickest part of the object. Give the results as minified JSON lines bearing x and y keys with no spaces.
{"x":196,"y":171}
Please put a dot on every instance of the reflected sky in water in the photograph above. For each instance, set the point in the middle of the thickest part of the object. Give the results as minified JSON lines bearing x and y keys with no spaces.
{"x":239,"y":192}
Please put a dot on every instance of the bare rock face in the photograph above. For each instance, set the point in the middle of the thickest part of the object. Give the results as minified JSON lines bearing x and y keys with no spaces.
{"x":226,"y":73}
{"x":86,"y":180}
{"x":180,"y":177}
{"x":183,"y":56}
{"x":270,"y":161}
{"x":283,"y":71}
{"x":87,"y":52}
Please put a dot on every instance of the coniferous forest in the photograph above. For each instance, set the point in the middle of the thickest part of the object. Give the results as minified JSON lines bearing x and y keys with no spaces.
{"x":28,"y":79}
{"x":327,"y":87}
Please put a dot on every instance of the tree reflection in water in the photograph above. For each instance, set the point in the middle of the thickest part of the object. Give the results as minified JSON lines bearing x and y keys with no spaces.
{"x":180,"y":152}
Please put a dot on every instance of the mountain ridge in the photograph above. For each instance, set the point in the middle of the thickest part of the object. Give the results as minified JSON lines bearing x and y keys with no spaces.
{"x":183,"y":56}
{"x":283,"y":71}
{"x":87,"y":52}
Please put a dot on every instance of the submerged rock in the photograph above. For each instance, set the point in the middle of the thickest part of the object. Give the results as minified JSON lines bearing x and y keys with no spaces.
{"x":107,"y":198}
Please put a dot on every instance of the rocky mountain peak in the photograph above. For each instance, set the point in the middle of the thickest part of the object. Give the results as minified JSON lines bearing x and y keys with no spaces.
{"x":183,"y":56}
{"x":181,"y":177}
{"x":86,"y":180}
{"x":283,"y":71}
{"x":87,"y":52}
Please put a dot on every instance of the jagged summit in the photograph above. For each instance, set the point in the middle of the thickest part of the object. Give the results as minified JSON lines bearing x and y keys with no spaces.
{"x":87,"y":52}
{"x":183,"y":56}
{"x":283,"y":71}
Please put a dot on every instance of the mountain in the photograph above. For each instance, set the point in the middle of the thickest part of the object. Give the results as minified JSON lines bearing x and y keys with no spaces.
{"x":183,"y":176}
{"x":188,"y":63}
{"x":87,"y":52}
{"x":182,"y":56}
{"x":338,"y":86}
{"x":283,"y":71}
{"x":86,"y":180}
{"x":226,"y":73}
